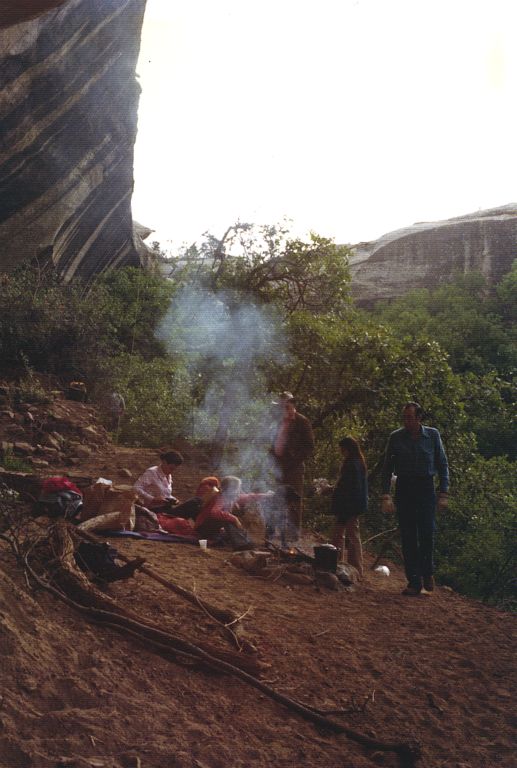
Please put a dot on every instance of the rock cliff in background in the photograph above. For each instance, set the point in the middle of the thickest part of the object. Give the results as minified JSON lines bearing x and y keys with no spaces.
{"x":429,"y":253}
{"x":15,"y":11}
{"x":68,"y":119}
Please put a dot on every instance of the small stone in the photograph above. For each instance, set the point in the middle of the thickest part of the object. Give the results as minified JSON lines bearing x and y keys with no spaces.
{"x":82,"y":451}
{"x":130,"y":760}
{"x":51,"y":442}
{"x":326,"y":579}
{"x":50,"y":451}
{"x":23,"y":448}
{"x":39,"y":463}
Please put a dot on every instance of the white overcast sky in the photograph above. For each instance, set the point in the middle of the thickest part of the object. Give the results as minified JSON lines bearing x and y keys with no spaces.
{"x":350,"y":117}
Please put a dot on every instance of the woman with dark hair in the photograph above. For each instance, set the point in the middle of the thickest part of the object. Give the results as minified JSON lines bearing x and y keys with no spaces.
{"x":349,"y":500}
{"x":154,"y":487}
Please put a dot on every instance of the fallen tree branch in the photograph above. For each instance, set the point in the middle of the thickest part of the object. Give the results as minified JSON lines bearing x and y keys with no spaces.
{"x":222,"y":615}
{"x":101,"y":607}
{"x":319,"y":634}
{"x":238,"y":618}
{"x":227,"y":628}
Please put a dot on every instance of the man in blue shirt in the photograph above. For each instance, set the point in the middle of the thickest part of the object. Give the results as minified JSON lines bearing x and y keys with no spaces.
{"x":415,"y":455}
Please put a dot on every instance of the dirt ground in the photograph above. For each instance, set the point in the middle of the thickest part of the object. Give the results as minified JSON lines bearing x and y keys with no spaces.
{"x":438,"y":669}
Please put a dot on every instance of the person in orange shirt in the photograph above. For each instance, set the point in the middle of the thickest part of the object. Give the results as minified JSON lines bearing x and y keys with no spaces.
{"x":219,"y":512}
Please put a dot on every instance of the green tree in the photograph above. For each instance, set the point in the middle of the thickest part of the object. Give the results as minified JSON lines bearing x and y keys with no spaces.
{"x":251,"y":268}
{"x":263,"y":264}
{"x":472,"y":323}
{"x":477,"y":536}
{"x":466,"y":320}
{"x":139,"y":301}
{"x":157,"y":394}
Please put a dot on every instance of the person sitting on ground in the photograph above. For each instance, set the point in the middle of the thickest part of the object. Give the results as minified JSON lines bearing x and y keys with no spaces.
{"x":190,"y":508}
{"x":179,"y":519}
{"x":154,"y":487}
{"x":219,"y":513}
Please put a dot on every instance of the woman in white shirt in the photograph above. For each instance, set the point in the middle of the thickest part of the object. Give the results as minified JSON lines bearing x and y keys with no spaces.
{"x":154,"y":487}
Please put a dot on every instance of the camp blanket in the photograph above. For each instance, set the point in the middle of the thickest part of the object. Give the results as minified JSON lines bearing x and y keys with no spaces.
{"x":155,"y":536}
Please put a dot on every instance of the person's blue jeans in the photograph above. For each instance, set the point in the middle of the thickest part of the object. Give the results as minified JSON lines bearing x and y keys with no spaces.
{"x":415,"y":500}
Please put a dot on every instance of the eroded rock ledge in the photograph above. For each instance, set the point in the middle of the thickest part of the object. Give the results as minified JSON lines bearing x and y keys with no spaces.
{"x":68,"y":119}
{"x":428,"y":254}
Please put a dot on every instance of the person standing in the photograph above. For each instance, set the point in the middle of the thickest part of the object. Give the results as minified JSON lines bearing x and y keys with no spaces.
{"x":115,"y":407}
{"x":415,"y":454}
{"x":293,"y":443}
{"x":349,"y":500}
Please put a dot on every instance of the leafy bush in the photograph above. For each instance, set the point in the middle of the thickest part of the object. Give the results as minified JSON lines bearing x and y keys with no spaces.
{"x":157,"y":396}
{"x":64,"y":329}
{"x":138,"y":302}
{"x":30,"y":388}
{"x":13,"y":463}
{"x":49,"y":326}
{"x":476,"y":542}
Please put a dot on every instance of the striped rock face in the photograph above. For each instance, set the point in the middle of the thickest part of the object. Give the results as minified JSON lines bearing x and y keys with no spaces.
{"x":16,"y":11}
{"x":68,"y":117}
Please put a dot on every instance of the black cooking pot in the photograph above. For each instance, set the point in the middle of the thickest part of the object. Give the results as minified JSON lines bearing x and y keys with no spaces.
{"x":325,"y":556}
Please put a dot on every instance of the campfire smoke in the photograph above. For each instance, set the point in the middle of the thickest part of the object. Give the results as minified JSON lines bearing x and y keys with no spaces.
{"x":225,"y":341}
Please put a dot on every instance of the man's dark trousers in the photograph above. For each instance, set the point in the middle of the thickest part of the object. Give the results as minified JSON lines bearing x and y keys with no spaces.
{"x":415,"y":500}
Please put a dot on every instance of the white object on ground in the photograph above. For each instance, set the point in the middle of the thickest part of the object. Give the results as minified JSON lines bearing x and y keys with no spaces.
{"x":203,"y":543}
{"x":383,"y":569}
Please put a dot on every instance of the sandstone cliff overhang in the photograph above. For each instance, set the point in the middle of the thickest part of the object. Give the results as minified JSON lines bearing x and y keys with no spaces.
{"x":428,"y":254}
{"x":68,"y":121}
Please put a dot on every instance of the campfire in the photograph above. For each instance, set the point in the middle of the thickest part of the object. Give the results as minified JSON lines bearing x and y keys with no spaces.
{"x":294,"y":566}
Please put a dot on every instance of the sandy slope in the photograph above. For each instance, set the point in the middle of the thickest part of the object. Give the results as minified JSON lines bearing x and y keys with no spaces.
{"x":435,"y":668}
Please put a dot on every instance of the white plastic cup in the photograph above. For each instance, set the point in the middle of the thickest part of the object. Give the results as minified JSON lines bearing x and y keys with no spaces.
{"x":203,"y":543}
{"x":383,"y":570}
